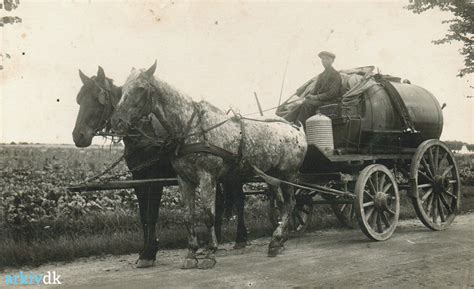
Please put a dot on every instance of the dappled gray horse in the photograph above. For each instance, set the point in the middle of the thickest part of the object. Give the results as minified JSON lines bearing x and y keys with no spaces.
{"x":145,"y":158}
{"x":211,"y":144}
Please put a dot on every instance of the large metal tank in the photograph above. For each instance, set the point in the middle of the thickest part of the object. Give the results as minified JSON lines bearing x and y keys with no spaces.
{"x":375,"y":124}
{"x":423,"y":108}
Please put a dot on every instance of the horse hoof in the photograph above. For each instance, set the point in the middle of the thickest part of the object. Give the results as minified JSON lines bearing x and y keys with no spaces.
{"x":240,"y":245}
{"x":207,"y":263}
{"x":189,"y":263}
{"x":274,"y":251}
{"x":142,"y":263}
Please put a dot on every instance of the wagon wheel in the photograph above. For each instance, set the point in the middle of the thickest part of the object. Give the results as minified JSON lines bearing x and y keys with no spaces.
{"x":377,"y":202}
{"x":273,"y":212}
{"x":435,"y":185}
{"x":302,"y":212}
{"x":346,"y":214}
{"x":300,"y":217}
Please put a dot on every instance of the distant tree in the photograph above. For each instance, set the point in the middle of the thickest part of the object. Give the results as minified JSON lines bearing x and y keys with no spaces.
{"x":470,"y":147}
{"x":461,"y":27}
{"x":8,"y":5}
{"x":454,"y":145}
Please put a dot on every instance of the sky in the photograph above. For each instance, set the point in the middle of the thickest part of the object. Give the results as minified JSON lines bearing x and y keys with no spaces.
{"x":222,"y":52}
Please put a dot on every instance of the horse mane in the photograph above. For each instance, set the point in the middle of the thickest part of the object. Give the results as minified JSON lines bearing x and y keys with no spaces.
{"x":168,"y":89}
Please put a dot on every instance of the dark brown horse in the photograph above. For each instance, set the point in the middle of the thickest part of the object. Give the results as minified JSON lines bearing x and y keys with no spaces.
{"x":275,"y":147}
{"x":97,"y":99}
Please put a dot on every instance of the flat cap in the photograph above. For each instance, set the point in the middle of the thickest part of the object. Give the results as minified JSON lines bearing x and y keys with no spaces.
{"x":327,"y":53}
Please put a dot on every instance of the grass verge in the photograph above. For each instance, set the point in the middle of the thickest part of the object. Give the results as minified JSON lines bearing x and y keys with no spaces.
{"x":121,"y":234}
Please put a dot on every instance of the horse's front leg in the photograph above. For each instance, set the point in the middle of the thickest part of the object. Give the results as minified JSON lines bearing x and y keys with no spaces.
{"x":149,"y":198}
{"x":279,"y":236}
{"x":189,"y":192}
{"x":207,"y":189}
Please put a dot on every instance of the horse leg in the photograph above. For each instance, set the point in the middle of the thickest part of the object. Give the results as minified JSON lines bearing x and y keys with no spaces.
{"x":231,"y":186}
{"x":207,"y":188}
{"x":189,"y":193}
{"x":149,"y":198}
{"x":219,"y":212}
{"x":235,"y":186}
{"x":279,"y":236}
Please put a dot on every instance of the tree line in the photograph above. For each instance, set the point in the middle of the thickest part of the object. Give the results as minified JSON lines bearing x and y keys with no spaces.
{"x":456,"y":145}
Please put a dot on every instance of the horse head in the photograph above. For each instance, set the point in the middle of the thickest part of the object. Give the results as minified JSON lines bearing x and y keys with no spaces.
{"x":97,"y":99}
{"x":136,"y":100}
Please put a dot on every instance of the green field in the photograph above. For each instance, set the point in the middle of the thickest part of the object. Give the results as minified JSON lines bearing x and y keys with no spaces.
{"x":41,"y":221}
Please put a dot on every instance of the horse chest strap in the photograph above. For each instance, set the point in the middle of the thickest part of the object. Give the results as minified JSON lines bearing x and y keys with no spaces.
{"x":187,"y":149}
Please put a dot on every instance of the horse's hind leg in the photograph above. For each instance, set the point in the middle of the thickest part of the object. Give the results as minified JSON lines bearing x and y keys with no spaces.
{"x":231,"y":186}
{"x":286,"y":205}
{"x":188,"y":190}
{"x":239,"y":197}
{"x":207,"y":188}
{"x":219,"y":212}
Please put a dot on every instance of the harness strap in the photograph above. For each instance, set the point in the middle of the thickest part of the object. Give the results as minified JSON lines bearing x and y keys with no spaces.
{"x":270,"y":120}
{"x":180,"y":139}
{"x":201,"y":147}
{"x":204,"y":147}
{"x":398,"y":103}
{"x":108,"y":107}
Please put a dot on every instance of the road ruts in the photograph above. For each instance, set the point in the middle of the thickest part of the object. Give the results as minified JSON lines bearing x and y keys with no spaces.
{"x":414,"y":257}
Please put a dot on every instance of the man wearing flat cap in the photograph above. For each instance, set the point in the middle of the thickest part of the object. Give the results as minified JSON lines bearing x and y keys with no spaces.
{"x":326,"y":90}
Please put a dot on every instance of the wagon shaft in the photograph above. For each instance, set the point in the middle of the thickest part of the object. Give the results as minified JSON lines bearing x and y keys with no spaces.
{"x":116,"y":185}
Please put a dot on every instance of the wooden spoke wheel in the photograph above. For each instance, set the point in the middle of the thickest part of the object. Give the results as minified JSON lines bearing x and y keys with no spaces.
{"x":377,"y":202}
{"x":435,"y":185}
{"x":346,"y":214}
{"x":299,"y":218}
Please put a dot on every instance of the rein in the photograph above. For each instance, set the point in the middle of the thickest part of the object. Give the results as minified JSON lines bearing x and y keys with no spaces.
{"x":107,"y":110}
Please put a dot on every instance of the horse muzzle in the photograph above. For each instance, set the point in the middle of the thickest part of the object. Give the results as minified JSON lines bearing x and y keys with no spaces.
{"x":81,"y":138}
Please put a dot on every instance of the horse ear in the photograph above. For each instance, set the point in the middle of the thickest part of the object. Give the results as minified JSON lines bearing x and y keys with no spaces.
{"x":100,"y":74}
{"x":83,"y":77}
{"x":151,"y":70}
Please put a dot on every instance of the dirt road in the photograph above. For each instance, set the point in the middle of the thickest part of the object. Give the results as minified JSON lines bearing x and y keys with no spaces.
{"x":413,"y":257}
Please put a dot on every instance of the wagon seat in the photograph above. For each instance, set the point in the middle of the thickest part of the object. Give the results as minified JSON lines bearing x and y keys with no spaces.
{"x":346,"y":115}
